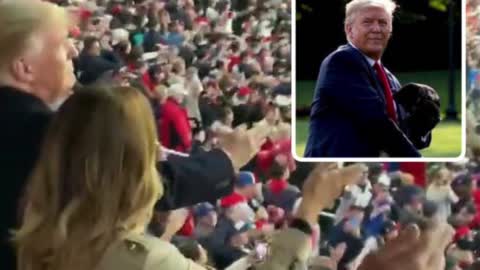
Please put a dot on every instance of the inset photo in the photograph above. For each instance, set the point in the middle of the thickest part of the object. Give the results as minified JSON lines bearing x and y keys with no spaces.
{"x":379,"y":79}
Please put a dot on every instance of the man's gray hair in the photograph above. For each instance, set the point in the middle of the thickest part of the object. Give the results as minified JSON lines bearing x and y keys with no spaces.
{"x":20,"y":22}
{"x":356,"y":5}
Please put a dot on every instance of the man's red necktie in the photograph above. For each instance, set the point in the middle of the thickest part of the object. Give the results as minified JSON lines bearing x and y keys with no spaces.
{"x":386,"y":89}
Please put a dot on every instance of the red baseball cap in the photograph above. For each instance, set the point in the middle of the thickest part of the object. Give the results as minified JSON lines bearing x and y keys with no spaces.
{"x":244,"y":91}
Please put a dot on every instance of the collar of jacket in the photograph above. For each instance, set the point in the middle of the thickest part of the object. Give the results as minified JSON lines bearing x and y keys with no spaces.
{"x":14,"y":99}
{"x":173,"y":100}
{"x":372,"y":75}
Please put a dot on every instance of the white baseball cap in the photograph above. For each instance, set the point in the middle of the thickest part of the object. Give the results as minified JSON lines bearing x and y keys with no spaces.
{"x":119,"y":35}
{"x":177,"y":89}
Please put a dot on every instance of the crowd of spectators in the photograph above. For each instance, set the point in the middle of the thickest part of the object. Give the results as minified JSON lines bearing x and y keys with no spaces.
{"x":392,"y":195}
{"x":206,"y":66}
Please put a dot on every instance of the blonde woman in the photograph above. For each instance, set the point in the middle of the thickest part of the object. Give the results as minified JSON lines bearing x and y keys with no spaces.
{"x":93,"y":189}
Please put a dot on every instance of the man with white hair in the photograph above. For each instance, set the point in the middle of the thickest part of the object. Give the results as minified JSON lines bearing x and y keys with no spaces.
{"x":353,"y":112}
{"x":36,"y":72}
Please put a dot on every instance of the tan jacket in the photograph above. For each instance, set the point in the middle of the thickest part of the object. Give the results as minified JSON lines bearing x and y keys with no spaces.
{"x":290,"y":249}
{"x":143,"y":252}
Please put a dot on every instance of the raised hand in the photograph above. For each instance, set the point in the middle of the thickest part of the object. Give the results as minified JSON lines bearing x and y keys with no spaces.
{"x":413,"y":249}
{"x":323,"y":185}
{"x":242,"y":144}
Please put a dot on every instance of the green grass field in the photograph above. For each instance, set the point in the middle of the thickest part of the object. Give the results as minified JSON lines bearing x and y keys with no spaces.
{"x":447,"y":136}
{"x":446,"y":140}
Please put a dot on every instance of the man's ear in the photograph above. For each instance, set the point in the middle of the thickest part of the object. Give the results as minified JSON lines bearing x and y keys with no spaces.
{"x":21,"y":70}
{"x":348,"y":30}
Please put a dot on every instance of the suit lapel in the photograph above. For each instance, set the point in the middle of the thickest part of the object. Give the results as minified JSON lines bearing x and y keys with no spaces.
{"x":372,"y":76}
{"x":375,"y":82}
{"x":394,"y":83}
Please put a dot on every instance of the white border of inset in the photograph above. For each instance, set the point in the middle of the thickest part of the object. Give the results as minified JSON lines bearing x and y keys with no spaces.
{"x":426,"y":159}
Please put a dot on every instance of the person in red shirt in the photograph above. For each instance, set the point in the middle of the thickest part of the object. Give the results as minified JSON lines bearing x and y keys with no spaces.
{"x":151,"y":78}
{"x":243,"y":191}
{"x":175,"y":131}
{"x":266,"y":158}
{"x":278,"y":191}
{"x":234,"y":58}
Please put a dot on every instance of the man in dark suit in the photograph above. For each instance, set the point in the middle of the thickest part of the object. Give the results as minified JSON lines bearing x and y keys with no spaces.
{"x":353,"y":111}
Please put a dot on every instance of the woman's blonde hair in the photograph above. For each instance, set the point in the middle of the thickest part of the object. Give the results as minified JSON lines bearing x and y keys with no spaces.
{"x":94,"y":182}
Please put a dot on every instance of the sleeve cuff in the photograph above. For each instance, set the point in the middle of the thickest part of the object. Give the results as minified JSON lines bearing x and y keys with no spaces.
{"x":301,"y":225}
